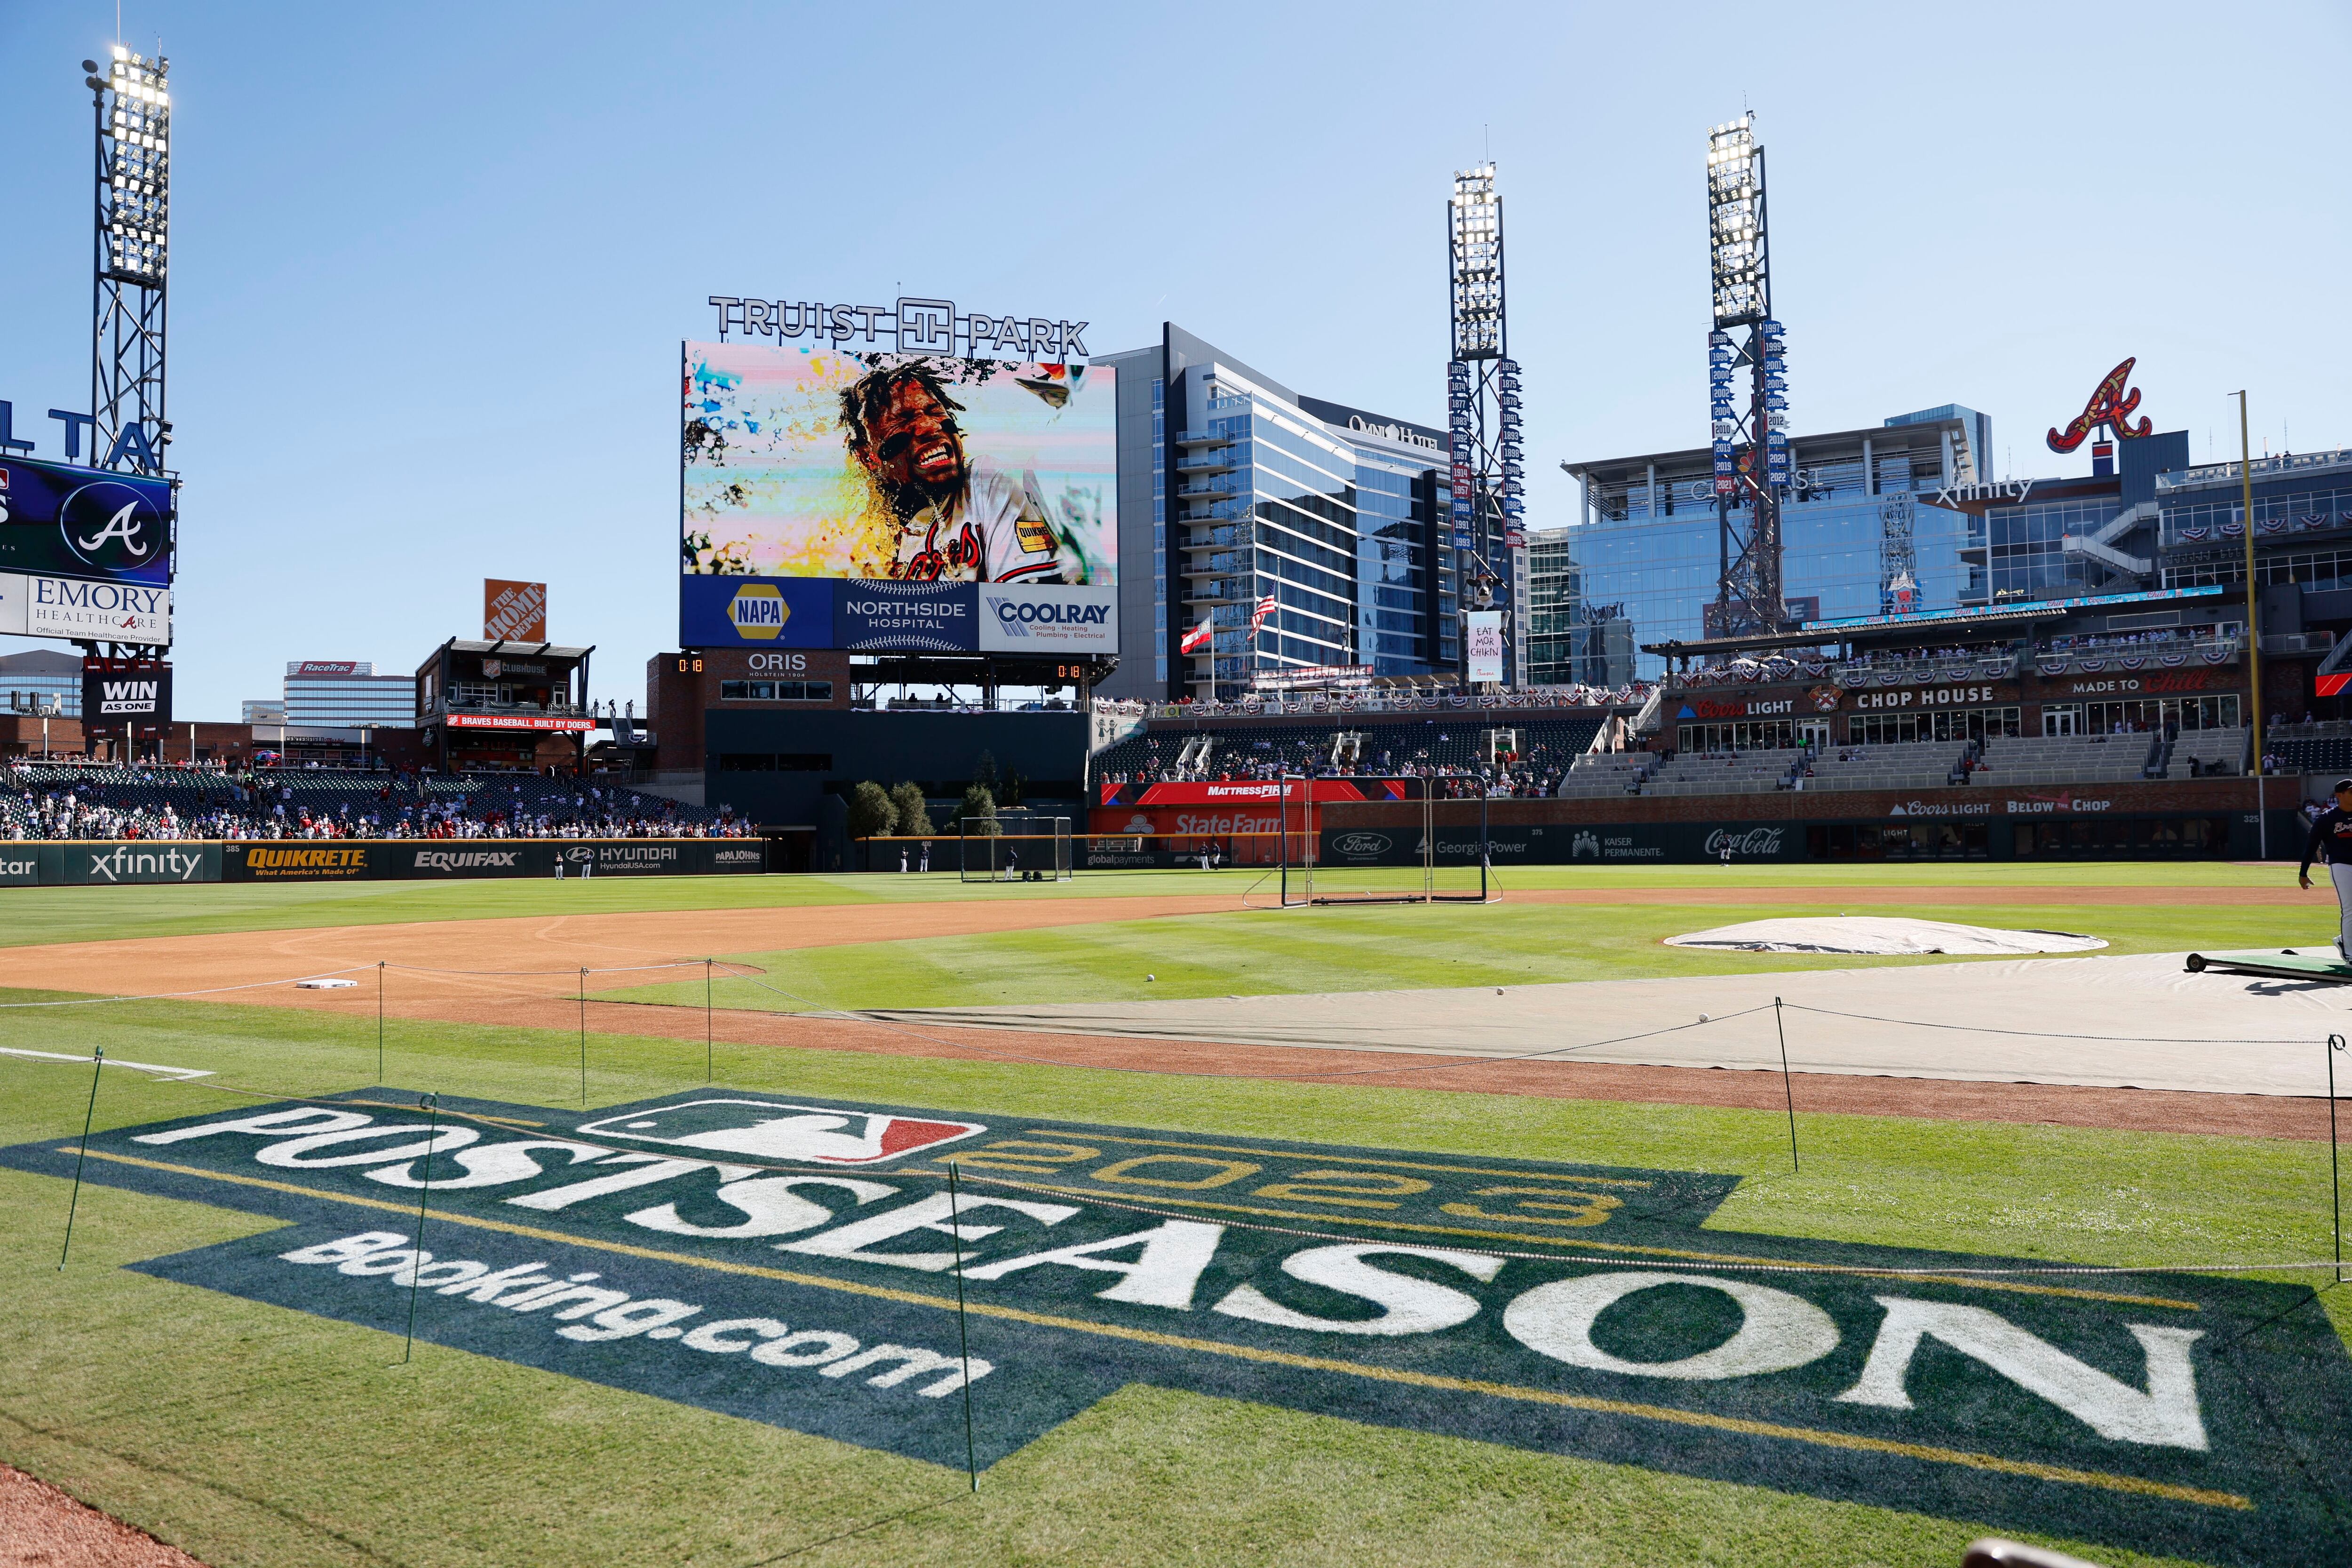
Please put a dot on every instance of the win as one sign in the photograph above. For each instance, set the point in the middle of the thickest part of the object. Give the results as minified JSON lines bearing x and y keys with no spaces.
{"x":129,"y":697}
{"x":122,"y":689}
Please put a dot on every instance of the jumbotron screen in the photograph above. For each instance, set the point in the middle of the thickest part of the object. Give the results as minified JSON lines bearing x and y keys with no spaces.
{"x":883,"y":501}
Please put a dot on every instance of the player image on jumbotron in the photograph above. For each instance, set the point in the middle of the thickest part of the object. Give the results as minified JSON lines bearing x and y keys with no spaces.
{"x":911,"y":467}
{"x":959,"y":519}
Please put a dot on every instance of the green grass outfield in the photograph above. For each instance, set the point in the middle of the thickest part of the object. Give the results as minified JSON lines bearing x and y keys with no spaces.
{"x":252,"y":1435}
{"x":1389,"y":947}
{"x":29,"y":915}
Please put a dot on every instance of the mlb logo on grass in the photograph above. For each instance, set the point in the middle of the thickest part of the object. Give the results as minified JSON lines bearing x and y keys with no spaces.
{"x":768,"y":1130}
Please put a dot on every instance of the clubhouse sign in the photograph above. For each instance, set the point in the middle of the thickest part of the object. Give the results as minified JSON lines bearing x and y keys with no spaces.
{"x":796,"y":1263}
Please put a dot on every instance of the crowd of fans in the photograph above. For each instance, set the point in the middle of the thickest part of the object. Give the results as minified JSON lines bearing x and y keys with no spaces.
{"x":1460,"y":761}
{"x":202,"y":801}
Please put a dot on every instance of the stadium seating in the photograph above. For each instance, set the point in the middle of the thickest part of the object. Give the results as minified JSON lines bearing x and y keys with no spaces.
{"x":2307,"y":749}
{"x":2215,"y":751}
{"x":1904,"y":764}
{"x":2064,"y":759}
{"x":1725,"y":773}
{"x":1453,"y":743}
{"x":1601,"y":775}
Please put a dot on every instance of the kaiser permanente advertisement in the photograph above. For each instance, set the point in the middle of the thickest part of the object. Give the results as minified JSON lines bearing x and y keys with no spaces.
{"x":883,"y":501}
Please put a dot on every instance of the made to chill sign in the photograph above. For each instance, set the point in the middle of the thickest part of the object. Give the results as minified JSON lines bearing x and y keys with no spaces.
{"x":796,"y":1263}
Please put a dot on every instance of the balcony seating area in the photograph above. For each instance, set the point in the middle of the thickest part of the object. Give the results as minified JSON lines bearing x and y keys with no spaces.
{"x":2312,"y":749}
{"x":1925,"y":669}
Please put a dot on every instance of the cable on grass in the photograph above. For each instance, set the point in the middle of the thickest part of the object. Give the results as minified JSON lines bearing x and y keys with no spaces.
{"x":1452,"y":1062}
{"x":2042,"y":1034}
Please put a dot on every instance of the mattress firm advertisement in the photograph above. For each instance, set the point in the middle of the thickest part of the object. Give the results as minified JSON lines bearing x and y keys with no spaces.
{"x":883,"y":500}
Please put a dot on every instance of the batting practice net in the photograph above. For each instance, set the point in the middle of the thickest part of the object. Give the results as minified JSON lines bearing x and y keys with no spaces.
{"x":997,"y":849}
{"x":1446,"y":861}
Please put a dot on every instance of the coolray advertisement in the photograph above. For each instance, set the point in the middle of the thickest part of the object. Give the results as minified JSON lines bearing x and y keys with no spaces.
{"x":84,"y":523}
{"x":1048,"y":620}
{"x":804,"y":463}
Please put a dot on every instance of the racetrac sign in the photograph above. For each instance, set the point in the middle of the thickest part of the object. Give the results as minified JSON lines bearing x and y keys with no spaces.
{"x":801,"y":1262}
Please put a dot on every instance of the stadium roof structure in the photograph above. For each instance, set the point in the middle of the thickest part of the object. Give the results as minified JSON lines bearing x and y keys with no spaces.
{"x":1930,"y":626}
{"x":517,"y":647}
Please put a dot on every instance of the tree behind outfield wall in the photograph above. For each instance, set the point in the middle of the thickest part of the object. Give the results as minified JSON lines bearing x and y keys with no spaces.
{"x":871,"y":811}
{"x":979,"y":808}
{"x":914,"y":811}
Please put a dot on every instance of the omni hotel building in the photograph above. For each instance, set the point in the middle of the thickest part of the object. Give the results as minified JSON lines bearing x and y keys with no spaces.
{"x":1233,"y":490}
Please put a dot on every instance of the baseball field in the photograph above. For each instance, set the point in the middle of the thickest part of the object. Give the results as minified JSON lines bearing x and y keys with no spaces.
{"x":763,"y":1220}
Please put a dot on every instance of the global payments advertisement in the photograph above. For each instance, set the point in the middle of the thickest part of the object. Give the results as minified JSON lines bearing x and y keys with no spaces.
{"x":871,"y":501}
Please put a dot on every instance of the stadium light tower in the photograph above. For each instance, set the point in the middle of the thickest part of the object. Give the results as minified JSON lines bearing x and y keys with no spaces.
{"x":1751,"y":448}
{"x":1483,"y":414}
{"x":133,"y":259}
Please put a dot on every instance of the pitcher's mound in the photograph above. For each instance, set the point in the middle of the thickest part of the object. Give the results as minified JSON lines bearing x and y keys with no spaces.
{"x":1878,"y":934}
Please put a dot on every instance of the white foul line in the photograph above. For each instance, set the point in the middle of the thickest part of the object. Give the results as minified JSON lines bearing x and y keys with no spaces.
{"x":111,"y":1061}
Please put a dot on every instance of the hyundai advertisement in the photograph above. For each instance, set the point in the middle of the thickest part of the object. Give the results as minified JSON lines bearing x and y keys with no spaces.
{"x":883,"y":501}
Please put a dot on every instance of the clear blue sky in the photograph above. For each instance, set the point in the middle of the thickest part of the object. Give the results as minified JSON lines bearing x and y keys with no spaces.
{"x":432,"y":262}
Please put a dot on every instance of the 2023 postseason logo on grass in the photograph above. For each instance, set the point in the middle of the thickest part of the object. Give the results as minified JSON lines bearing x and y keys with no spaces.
{"x":795,"y":1263}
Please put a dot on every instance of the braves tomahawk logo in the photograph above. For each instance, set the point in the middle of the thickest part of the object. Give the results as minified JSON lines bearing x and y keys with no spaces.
{"x":2110,"y":405}
{"x":770,"y":1130}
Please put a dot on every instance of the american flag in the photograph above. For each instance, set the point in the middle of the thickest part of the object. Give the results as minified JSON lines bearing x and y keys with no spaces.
{"x":1265,"y":607}
{"x":1197,"y":638}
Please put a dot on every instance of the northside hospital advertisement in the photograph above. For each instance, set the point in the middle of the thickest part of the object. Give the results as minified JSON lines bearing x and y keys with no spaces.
{"x":870,"y":501}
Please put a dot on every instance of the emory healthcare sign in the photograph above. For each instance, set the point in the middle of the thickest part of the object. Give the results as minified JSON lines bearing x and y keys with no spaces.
{"x":799,"y":1263}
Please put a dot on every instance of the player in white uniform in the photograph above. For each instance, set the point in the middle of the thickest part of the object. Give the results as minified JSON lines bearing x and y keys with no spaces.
{"x":959,"y":519}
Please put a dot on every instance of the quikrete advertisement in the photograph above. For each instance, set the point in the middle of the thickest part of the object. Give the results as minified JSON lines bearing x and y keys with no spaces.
{"x":798,"y":1261}
{"x":295,"y":859}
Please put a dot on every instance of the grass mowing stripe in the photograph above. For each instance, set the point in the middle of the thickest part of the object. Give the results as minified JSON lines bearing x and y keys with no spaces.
{"x":1992,"y":1462}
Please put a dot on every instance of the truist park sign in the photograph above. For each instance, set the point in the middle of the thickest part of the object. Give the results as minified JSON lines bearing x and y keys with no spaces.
{"x":801,"y":1262}
{"x":908,"y":327}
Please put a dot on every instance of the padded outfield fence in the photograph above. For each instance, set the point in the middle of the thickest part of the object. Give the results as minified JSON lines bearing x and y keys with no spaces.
{"x":83,"y":862}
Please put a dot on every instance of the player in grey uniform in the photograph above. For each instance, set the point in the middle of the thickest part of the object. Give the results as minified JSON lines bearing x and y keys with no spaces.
{"x":960,"y":520}
{"x":2331,"y":843}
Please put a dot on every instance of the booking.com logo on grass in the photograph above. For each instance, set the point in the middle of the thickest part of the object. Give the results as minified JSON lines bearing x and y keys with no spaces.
{"x":755,"y":612}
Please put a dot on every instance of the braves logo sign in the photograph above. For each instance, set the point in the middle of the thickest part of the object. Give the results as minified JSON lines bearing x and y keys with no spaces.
{"x":2110,"y":405}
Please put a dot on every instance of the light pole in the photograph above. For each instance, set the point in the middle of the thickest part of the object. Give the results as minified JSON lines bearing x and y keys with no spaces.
{"x":2253,"y":629}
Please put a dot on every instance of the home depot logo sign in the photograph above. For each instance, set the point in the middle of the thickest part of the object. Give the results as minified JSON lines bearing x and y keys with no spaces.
{"x":798,"y":1263}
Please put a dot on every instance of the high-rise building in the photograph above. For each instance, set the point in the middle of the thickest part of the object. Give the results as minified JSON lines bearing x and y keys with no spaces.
{"x":30,"y":679}
{"x":347,"y":693}
{"x":1861,"y":532}
{"x":1271,"y":530}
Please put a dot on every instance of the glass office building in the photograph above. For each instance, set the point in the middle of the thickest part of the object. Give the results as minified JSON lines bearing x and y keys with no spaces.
{"x":345,"y":693}
{"x":1305,"y":533}
{"x":1860,"y":534}
{"x":33,"y":679}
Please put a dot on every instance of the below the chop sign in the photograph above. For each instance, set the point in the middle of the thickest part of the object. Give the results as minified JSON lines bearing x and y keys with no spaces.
{"x":796,"y":1263}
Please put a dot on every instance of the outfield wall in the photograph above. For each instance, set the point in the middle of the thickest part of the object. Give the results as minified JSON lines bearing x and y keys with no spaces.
{"x":75,"y":862}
